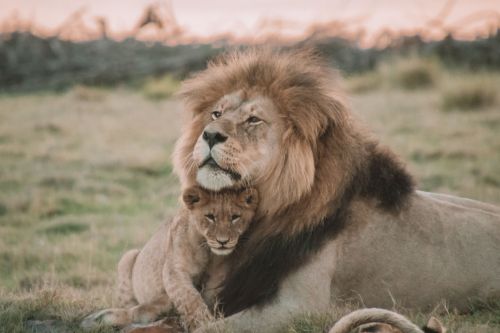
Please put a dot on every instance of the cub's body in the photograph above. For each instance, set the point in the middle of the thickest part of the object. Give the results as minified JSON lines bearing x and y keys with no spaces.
{"x":170,"y":245}
{"x":168,"y":271}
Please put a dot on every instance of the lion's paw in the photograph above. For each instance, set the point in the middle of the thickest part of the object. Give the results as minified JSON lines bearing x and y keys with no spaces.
{"x":108,"y":317}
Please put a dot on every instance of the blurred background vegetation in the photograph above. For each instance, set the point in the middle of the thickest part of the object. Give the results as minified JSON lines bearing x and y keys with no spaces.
{"x":87,"y":128}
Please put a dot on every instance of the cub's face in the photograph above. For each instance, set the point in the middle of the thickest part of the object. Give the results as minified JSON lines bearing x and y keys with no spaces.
{"x":221,"y":217}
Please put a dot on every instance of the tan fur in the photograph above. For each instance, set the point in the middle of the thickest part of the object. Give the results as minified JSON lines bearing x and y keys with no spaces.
{"x":386,"y":322}
{"x":208,"y":220}
{"x":125,"y":293}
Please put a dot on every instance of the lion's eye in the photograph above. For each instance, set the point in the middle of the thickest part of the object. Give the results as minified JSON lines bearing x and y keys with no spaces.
{"x":254,"y":120}
{"x":235,"y":218}
{"x":210,"y":217}
{"x":216,"y":114}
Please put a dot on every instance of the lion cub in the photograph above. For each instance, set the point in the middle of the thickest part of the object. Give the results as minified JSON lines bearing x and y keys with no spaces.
{"x":216,"y":221}
{"x":165,"y":272}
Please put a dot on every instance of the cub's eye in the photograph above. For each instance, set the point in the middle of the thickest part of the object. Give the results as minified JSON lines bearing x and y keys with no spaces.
{"x":216,"y":114}
{"x":235,"y":218}
{"x":210,"y":217}
{"x":254,"y":120}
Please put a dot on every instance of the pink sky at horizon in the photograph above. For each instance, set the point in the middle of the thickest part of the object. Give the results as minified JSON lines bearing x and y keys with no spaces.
{"x":243,"y":18}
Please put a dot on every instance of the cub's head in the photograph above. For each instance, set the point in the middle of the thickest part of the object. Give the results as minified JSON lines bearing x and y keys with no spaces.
{"x":221,"y":217}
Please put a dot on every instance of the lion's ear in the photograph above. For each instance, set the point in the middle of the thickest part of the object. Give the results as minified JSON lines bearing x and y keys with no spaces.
{"x":194,"y":197}
{"x":434,"y":325}
{"x":249,"y":198}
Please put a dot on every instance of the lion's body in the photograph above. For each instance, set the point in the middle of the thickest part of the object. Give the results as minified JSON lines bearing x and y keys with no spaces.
{"x":339,"y":218}
{"x":427,"y":253}
{"x":438,"y":248}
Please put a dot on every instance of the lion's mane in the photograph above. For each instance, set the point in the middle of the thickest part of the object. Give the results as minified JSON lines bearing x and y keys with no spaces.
{"x":326,"y":161}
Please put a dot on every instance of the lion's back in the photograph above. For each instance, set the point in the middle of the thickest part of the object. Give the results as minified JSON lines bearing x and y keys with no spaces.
{"x":434,"y":249}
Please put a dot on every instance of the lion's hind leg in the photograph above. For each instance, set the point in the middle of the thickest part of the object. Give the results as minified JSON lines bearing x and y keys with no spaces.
{"x":124,"y":292}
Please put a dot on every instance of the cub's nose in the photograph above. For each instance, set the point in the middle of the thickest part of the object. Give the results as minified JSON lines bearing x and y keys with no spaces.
{"x":213,"y":138}
{"x":222,"y":241}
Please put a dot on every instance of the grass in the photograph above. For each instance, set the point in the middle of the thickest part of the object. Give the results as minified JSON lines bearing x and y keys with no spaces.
{"x":478,"y":92}
{"x":89,"y":93}
{"x":405,"y":73}
{"x":365,"y":82}
{"x":161,"y":87}
{"x":458,"y":90}
{"x":412,"y":73}
{"x":83,"y":179}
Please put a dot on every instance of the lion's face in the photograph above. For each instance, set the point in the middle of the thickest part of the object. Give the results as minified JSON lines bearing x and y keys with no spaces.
{"x":221,"y":217}
{"x":238,"y":142}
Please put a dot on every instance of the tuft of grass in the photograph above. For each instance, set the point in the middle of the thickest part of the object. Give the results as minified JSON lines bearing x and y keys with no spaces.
{"x":161,"y":87}
{"x":3,"y":209}
{"x":363,"y":83}
{"x":469,"y":94}
{"x":66,"y":228}
{"x":88,"y":93}
{"x":50,"y":310}
{"x":57,"y":182}
{"x":311,"y":323}
{"x":411,"y":73}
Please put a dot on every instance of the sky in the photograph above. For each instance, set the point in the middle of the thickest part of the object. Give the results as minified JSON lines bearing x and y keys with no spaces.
{"x":209,"y":17}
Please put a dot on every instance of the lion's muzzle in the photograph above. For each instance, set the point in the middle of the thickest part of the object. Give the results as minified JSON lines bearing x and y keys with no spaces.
{"x":215,"y":170}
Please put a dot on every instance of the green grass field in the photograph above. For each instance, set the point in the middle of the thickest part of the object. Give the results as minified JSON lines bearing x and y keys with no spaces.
{"x":86,"y":175}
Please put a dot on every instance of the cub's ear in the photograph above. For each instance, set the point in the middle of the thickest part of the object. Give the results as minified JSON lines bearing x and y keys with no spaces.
{"x":249,"y":198}
{"x":194,"y":197}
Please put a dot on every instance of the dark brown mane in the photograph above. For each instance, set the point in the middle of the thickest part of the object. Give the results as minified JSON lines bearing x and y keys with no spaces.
{"x":256,"y":279}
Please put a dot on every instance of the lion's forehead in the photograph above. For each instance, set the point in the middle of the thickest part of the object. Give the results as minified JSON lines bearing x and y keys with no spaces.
{"x":231,"y":101}
{"x":244,"y":103}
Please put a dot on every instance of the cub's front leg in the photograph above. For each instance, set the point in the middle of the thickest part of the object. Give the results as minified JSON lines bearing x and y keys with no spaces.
{"x":120,"y":317}
{"x":186,"y":299}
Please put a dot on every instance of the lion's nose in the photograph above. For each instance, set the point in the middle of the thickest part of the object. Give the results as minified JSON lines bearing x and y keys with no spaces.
{"x":212,"y":138}
{"x":222,"y":240}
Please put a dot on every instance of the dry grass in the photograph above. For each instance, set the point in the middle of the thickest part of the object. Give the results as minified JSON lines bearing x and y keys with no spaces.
{"x":411,"y":73}
{"x":82,"y":179}
{"x":365,"y":82}
{"x":477,"y":92}
{"x":458,"y":90}
{"x":160,"y":88}
{"x":406,"y":73}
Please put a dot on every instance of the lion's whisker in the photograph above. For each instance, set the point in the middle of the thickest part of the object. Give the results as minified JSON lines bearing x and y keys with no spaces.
{"x":189,"y":162}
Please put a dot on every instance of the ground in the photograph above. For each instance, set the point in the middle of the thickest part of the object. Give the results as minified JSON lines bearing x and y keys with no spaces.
{"x":86,"y":175}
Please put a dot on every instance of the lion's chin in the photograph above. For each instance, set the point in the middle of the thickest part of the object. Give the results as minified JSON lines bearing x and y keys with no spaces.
{"x":221,"y":251}
{"x":213,"y":178}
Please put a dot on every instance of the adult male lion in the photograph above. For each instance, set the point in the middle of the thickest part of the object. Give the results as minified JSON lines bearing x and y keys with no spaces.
{"x":339,"y":217}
